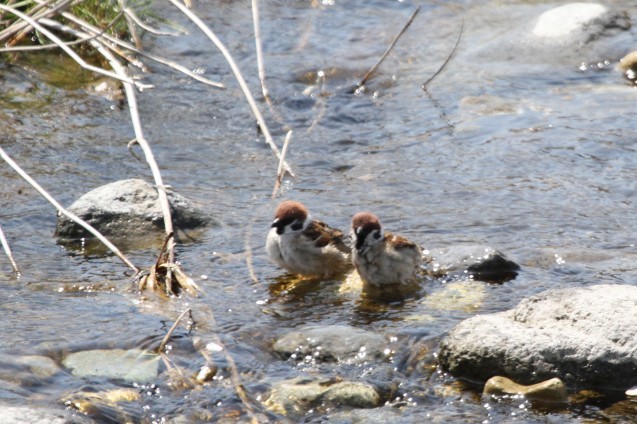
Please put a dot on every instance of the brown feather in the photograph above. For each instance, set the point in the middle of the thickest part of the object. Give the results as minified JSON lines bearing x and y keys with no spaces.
{"x":323,"y":234}
{"x":399,"y":242}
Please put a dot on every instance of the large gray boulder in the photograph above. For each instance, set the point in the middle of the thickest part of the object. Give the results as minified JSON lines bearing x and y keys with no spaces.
{"x":128,"y":208}
{"x":585,"y":336}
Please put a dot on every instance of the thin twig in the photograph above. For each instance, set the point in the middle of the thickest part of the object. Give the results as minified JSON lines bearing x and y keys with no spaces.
{"x":186,"y":381}
{"x":132,"y":106}
{"x":7,"y":251}
{"x":389,"y":49}
{"x":19,"y":29}
{"x":248,"y":248}
{"x":308,"y":30}
{"x":259,"y":49}
{"x":48,"y":22}
{"x":321,"y":103}
{"x":167,"y":245}
{"x":88,"y":27}
{"x":261,"y":67}
{"x":163,"y":249}
{"x":166,"y":338}
{"x":280,"y":171}
{"x":130,"y":24}
{"x":69,"y":51}
{"x":131,"y":14}
{"x":63,"y":211}
{"x":148,"y":153}
{"x":9,"y":3}
{"x":129,"y":146}
{"x":237,"y":73}
{"x":234,"y":376}
{"x":444,"y":64}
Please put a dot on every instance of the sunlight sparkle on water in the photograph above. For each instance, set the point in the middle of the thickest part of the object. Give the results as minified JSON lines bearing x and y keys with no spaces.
{"x":213,"y":347}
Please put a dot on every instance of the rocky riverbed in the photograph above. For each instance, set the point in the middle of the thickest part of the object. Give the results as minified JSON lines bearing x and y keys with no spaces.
{"x":513,"y":170}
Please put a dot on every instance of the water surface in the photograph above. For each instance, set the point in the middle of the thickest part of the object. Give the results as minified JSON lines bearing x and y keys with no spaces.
{"x":523,"y":149}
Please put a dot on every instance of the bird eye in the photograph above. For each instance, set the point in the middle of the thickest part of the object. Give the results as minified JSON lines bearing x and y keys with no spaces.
{"x":297,"y":226}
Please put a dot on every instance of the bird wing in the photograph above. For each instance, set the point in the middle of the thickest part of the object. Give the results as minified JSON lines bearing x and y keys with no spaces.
{"x":400,"y":242}
{"x":323,"y":234}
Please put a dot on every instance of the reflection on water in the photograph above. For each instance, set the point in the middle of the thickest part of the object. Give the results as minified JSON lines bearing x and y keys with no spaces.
{"x":526,"y":153}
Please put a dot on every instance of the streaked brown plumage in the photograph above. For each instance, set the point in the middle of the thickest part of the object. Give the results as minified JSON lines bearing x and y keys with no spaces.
{"x":305,"y":246}
{"x":382,"y":259}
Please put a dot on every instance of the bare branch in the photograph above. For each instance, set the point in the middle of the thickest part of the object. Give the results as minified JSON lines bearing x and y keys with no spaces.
{"x":281,"y":172}
{"x":92,"y":29}
{"x":141,"y":140}
{"x":19,"y":29}
{"x":63,"y":211}
{"x":389,"y":49}
{"x":132,"y":30}
{"x":321,"y":103}
{"x":7,"y":251}
{"x":444,"y":64}
{"x":234,"y":374}
{"x":69,"y":51}
{"x":259,"y":48}
{"x":132,"y":106}
{"x":131,"y":14}
{"x":48,"y":22}
{"x":248,"y":248}
{"x":237,"y":73}
{"x":166,"y":338}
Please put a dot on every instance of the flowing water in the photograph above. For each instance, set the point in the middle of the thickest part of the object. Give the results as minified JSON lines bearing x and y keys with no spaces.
{"x":522,"y":148}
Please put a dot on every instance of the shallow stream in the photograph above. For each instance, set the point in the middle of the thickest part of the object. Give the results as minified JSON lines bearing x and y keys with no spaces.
{"x":523,"y":148}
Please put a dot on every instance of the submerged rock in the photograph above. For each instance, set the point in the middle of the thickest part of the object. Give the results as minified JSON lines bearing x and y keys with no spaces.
{"x":333,"y":343}
{"x":585,"y":336}
{"x":552,"y":390}
{"x":466,"y":296}
{"x":484,"y":263}
{"x":132,"y":365}
{"x":128,"y":208}
{"x":27,"y":370}
{"x":299,"y":394}
{"x":104,"y":405}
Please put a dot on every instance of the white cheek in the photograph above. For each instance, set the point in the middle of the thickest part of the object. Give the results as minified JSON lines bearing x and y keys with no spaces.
{"x":291,"y":231}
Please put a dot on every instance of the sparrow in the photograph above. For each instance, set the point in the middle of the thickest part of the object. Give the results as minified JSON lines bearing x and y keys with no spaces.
{"x":382,"y":259}
{"x":305,"y":246}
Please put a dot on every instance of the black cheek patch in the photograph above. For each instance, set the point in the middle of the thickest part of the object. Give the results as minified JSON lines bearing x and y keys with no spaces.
{"x":361,"y":234}
{"x":280,"y":226}
{"x":297,"y":226}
